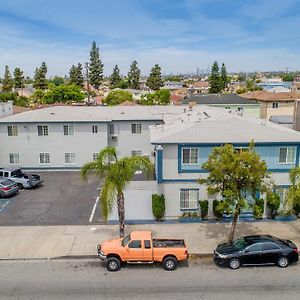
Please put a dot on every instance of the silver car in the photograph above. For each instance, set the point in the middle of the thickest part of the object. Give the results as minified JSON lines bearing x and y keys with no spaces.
{"x":8,"y":187}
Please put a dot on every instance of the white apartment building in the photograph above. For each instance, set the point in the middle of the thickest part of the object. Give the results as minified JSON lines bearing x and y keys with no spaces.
{"x":65,"y":137}
{"x":6,"y":109}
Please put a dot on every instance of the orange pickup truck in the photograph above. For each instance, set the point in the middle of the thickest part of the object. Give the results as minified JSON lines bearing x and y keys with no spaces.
{"x":140,"y":247}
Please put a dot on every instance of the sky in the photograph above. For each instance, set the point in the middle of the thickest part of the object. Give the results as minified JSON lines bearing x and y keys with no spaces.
{"x":179,"y":35}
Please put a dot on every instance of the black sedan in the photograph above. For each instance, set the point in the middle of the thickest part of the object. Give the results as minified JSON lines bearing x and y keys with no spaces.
{"x":256,"y":250}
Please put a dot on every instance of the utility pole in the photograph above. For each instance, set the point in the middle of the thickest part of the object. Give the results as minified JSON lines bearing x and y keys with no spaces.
{"x":87,"y":80}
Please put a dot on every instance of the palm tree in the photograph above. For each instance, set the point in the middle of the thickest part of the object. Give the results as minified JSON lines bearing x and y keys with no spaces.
{"x":116,"y":173}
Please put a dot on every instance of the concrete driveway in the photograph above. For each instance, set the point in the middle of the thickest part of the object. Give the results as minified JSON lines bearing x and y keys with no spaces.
{"x":62,"y":199}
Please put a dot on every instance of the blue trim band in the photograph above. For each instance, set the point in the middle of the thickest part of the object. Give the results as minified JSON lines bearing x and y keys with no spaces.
{"x":159,"y":155}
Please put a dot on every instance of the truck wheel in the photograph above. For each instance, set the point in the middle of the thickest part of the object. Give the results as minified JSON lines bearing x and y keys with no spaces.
{"x":169,"y":263}
{"x":20,"y":186}
{"x":113,"y":264}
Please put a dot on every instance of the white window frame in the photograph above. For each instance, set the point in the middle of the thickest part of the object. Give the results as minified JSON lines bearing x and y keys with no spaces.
{"x":44,"y":130}
{"x":71,"y":155}
{"x":190,"y":164}
{"x":95,"y":129}
{"x":287,"y":155}
{"x":136,"y":126}
{"x":136,"y":152}
{"x":13,"y":129}
{"x":70,"y":129}
{"x":14,"y":158}
{"x":191,"y":204}
{"x":44,"y":158}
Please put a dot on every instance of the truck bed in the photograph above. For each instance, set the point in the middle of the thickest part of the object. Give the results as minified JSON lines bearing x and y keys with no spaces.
{"x":167,"y":243}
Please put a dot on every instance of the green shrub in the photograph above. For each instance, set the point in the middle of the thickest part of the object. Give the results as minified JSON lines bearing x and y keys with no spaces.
{"x":273,"y":203}
{"x":158,"y":206}
{"x":218,"y":209}
{"x":204,"y":208}
{"x":258,"y":208}
{"x":189,"y":215}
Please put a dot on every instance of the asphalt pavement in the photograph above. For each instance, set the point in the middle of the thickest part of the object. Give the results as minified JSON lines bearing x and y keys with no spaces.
{"x":200,"y":279}
{"x":62,"y":199}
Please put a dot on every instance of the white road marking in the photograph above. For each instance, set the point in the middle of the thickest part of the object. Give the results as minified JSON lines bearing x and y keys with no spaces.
{"x":94,"y":209}
{"x":3,"y":205}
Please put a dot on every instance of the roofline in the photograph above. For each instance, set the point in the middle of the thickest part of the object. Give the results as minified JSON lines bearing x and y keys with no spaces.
{"x":214,"y":144}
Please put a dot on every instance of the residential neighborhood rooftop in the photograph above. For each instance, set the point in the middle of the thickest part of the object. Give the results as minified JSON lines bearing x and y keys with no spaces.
{"x":210,"y":125}
{"x":217,"y":99}
{"x":270,"y":97}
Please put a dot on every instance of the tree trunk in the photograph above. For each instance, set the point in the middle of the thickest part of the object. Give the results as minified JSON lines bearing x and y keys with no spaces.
{"x":121,"y":213}
{"x":234,"y":222}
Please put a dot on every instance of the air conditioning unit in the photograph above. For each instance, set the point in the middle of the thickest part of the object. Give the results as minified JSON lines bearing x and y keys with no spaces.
{"x":153,"y":153}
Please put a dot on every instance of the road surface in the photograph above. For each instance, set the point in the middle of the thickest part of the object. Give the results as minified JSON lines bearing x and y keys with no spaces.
{"x":88,"y":279}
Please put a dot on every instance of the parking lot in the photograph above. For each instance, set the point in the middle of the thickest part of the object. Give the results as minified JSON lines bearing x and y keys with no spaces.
{"x":62,"y":199}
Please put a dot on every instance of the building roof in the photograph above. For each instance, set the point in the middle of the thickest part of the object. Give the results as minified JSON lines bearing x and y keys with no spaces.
{"x":210,"y":125}
{"x":95,"y":114}
{"x":217,"y":99}
{"x":270,"y":97}
{"x":201,"y":84}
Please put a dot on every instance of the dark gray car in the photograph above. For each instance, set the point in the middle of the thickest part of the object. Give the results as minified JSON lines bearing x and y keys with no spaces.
{"x":8,"y":187}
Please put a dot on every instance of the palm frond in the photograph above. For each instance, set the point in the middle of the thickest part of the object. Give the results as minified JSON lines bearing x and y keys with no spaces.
{"x":107,"y":198}
{"x":90,"y":168}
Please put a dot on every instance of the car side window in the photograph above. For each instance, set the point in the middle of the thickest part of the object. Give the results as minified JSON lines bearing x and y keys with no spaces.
{"x":5,"y":174}
{"x":1,"y":174}
{"x":254,"y":248}
{"x":147,"y":244}
{"x":270,"y":246}
{"x":135,"y":244}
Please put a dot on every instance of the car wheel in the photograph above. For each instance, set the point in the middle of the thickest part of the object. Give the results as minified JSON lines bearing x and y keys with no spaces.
{"x":113,"y":264}
{"x":282,"y":262}
{"x":170,"y":263}
{"x":20,"y":186}
{"x":234,"y":263}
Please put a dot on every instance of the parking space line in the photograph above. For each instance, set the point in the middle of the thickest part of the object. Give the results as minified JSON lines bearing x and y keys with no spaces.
{"x":94,"y":209}
{"x":3,"y":203}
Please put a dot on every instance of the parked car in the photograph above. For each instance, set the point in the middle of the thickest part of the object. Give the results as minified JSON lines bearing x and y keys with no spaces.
{"x":140,"y":247}
{"x":8,"y":187}
{"x":256,"y":250}
{"x":23,"y":180}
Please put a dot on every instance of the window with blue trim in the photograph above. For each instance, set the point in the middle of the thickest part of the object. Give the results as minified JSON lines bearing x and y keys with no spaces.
{"x":287,"y":155}
{"x":189,"y":199}
{"x":190,"y":156}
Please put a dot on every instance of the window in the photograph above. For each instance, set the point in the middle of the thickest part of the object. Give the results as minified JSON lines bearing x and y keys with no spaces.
{"x":254,"y":248}
{"x":241,"y":149}
{"x":43,"y":130}
{"x":136,"y":153}
{"x":70,"y":158}
{"x":282,"y":192}
{"x":95,"y":156}
{"x":113,"y":129}
{"x":135,"y":244}
{"x":190,"y":156}
{"x":136,"y":128}
{"x":189,"y":198}
{"x":68,"y":129}
{"x":275,"y":105}
{"x":147,"y":244}
{"x":287,"y":155}
{"x":270,"y":246}
{"x":94,"y":129}
{"x":12,"y":130}
{"x":14,"y":158}
{"x":44,"y":158}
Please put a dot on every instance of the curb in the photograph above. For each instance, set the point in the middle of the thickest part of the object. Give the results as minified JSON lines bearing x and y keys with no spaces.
{"x":69,"y":257}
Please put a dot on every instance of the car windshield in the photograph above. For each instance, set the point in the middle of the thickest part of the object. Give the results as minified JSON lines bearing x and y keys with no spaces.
{"x":240,"y":243}
{"x":17,"y":173}
{"x":126,"y":240}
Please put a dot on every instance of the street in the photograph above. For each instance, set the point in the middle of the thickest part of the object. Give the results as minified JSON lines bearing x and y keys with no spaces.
{"x":199,"y":279}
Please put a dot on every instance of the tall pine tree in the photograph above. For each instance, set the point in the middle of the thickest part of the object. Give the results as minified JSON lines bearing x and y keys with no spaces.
{"x":18,"y":78}
{"x":7,"y":83}
{"x":134,"y":76}
{"x":95,"y":67}
{"x":215,"y":79}
{"x":115,"y":77}
{"x":79,"y":75}
{"x":40,"y":81}
{"x":224,"y":79}
{"x":73,"y":75}
{"x":154,"y":81}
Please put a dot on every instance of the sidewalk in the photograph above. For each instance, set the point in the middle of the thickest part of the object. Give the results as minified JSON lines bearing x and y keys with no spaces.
{"x":47,"y":242}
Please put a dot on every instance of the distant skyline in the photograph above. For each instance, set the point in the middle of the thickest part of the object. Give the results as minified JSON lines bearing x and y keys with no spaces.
{"x":179,"y":35}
